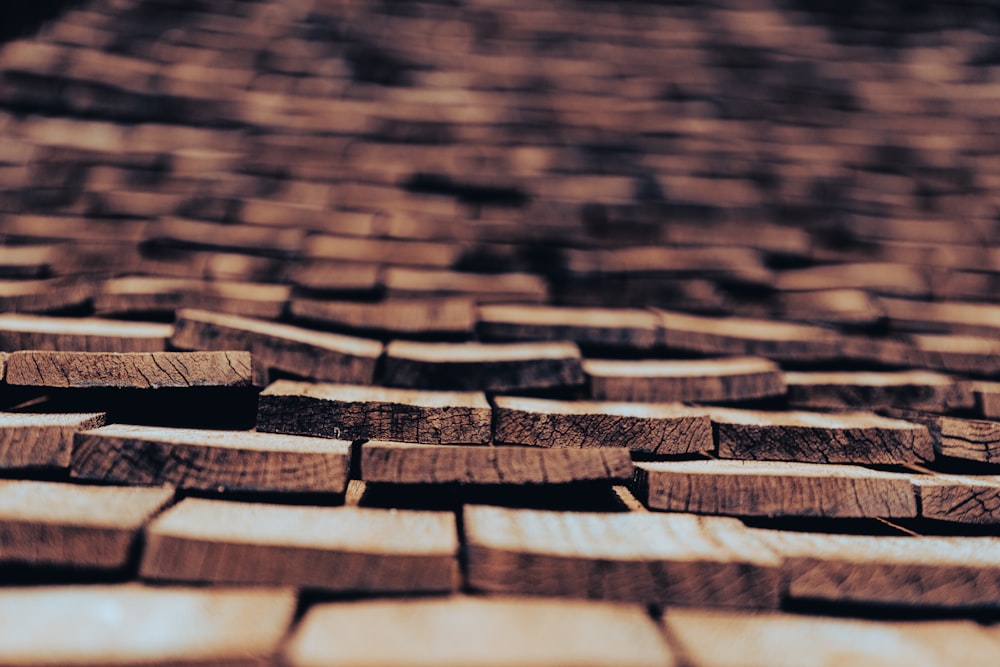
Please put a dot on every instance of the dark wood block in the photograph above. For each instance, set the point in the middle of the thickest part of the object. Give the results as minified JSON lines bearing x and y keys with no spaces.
{"x":41,"y":440}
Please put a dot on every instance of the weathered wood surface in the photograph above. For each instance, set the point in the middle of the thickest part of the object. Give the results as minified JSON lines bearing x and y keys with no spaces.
{"x":972,"y":439}
{"x":774,"y":488}
{"x":649,"y":428}
{"x":914,"y":390}
{"x":973,"y":499}
{"x":681,"y":559}
{"x":93,"y":527}
{"x":708,"y":380}
{"x":354,"y":412}
{"x":464,"y":631}
{"x":812,"y":437}
{"x":428,"y":316}
{"x":401,"y":463}
{"x":41,"y":440}
{"x":482,"y":366}
{"x":342,"y":549}
{"x":35,"y":332}
{"x":586,"y":326}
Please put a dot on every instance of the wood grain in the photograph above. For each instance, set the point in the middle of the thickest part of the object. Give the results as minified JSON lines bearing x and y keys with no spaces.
{"x":396,"y":316}
{"x":35,"y":332}
{"x":354,"y":412}
{"x":586,"y":326}
{"x":973,"y":499}
{"x":649,"y":428}
{"x":41,"y":440}
{"x":971,"y":439}
{"x":342,"y":549}
{"x":914,"y":390}
{"x":212,"y":460}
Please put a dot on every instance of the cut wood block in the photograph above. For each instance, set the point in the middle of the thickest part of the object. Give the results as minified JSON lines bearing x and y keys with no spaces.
{"x":212,"y":460}
{"x":482,"y":366}
{"x":648,"y":428}
{"x":914,"y":390}
{"x":129,"y":370}
{"x":335,"y":276}
{"x":836,"y":307}
{"x":402,"y":282}
{"x":132,"y":626}
{"x":154,"y":295}
{"x":957,"y":354}
{"x":773,"y":488}
{"x":402,"y":463}
{"x":30,"y":261}
{"x":378,"y":251}
{"x":656,"y":380}
{"x":342,"y":549}
{"x":782,"y":341}
{"x":971,"y":319}
{"x":355,"y":412}
{"x":396,"y":316}
{"x":971,"y":499}
{"x":987,"y":396}
{"x":879,"y":278}
{"x":41,"y":440}
{"x":971,"y":439}
{"x":811,"y":437}
{"x":636,"y":557}
{"x":313,"y":354}
{"x":40,"y":296}
{"x":276,"y":241}
{"x":476,"y":632}
{"x":721,"y":638}
{"x":586,"y":326}
{"x":31,"y":332}
{"x":93,"y":527}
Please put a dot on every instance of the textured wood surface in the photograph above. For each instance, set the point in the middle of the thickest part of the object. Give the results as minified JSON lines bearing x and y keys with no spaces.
{"x":727,"y":380}
{"x":971,"y":439}
{"x":476,"y":632}
{"x":41,"y":440}
{"x":915,"y":390}
{"x":51,"y":523}
{"x":354,"y":412}
{"x":587,"y":326}
{"x":774,"y":488}
{"x":35,"y":332}
{"x":343,"y":549}
{"x":396,"y":316}
{"x":959,"y":499}
{"x":681,"y":559}
{"x":211,"y":460}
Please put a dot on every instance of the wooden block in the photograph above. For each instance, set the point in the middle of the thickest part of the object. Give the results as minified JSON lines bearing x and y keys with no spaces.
{"x":41,"y":440}
{"x":408,"y":283}
{"x":655,"y":380}
{"x":720,"y":638}
{"x":482,"y":366}
{"x":355,"y":412}
{"x":396,"y":316}
{"x":474,"y":632}
{"x":94,"y":527}
{"x":971,"y":319}
{"x":648,"y":428}
{"x":303,"y":352}
{"x":987,"y":396}
{"x":276,"y":241}
{"x":32,"y":332}
{"x":835,"y":307}
{"x":585,"y":326}
{"x":914,"y":390}
{"x":971,"y":439}
{"x":39,"y":296}
{"x":402,"y":463}
{"x":342,"y":549}
{"x":334,"y":276}
{"x":132,"y":625}
{"x":212,"y":460}
{"x":377,"y":251}
{"x":153,"y":295}
{"x":30,"y":261}
{"x":879,"y":278}
{"x":957,"y":354}
{"x":973,"y":499}
{"x":636,"y":557}
{"x":129,"y":370}
{"x":811,"y":437}
{"x":773,"y":488}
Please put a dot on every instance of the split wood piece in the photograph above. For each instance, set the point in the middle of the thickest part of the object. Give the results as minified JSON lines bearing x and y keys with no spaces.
{"x":774,"y":488}
{"x":397,"y":316}
{"x":913,"y":390}
{"x":142,"y":626}
{"x":586,"y":326}
{"x":39,"y":296}
{"x":987,"y":396}
{"x":41,"y":440}
{"x":648,"y":428}
{"x":355,"y":412}
{"x":32,"y":332}
{"x":408,"y":253}
{"x":67,"y":525}
{"x":129,"y":370}
{"x":402,"y":282}
{"x":482,"y":366}
{"x":303,"y":352}
{"x":720,"y":638}
{"x":334,"y":276}
{"x":959,"y":498}
{"x":153,"y":295}
{"x":342,"y":549}
{"x":971,"y":319}
{"x":781,"y":341}
{"x":207,"y":460}
{"x":955,"y":572}
{"x":476,"y":632}
{"x":810,"y":437}
{"x":879,"y":278}
{"x":707,"y":380}
{"x":636,"y":557}
{"x":402,"y":463}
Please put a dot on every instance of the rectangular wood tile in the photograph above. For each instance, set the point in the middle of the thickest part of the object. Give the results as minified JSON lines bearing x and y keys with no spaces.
{"x":353,"y":412}
{"x":454,"y":316}
{"x":209,"y":460}
{"x":914,"y":390}
{"x":41,"y":440}
{"x":341,"y":549}
{"x":586,"y":326}
{"x":35,"y":332}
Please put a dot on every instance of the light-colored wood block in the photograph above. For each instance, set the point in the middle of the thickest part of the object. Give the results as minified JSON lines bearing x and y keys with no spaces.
{"x":914,"y":390}
{"x":971,"y":499}
{"x":41,"y":440}
{"x":879,"y":278}
{"x":129,"y":370}
{"x":353,"y":412}
{"x":342,"y":549}
{"x":212,"y":460}
{"x":648,"y":428}
{"x":636,"y":556}
{"x":585,"y":326}
{"x":33,"y":332}
{"x":397,"y":316}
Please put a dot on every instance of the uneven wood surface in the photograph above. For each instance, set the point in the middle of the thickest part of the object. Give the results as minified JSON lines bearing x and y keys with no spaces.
{"x":41,"y":440}
{"x":342,"y":549}
{"x":354,"y":412}
{"x":616,"y":327}
{"x":211,"y":460}
{"x":396,"y":316}
{"x":35,"y":332}
{"x":915,"y":390}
